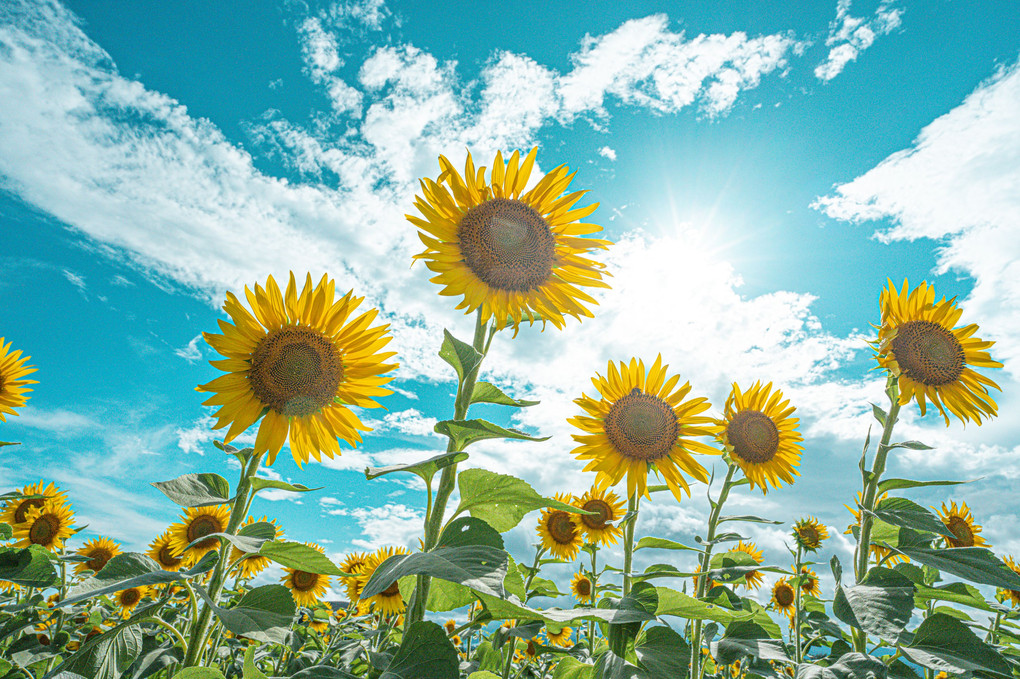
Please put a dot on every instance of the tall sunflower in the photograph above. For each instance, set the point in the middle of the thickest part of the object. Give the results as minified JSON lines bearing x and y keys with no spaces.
{"x":809,"y":533}
{"x":47,"y":526}
{"x":16,"y":511}
{"x":783,"y":597}
{"x":389,"y":601}
{"x":918,"y":343}
{"x":253,"y":564}
{"x":196,"y":523}
{"x":639,"y":422}
{"x":560,"y":531}
{"x":161,"y":551}
{"x":99,"y":551}
{"x":960,"y":523}
{"x":760,"y":436}
{"x":12,"y":379}
{"x":298,"y":359}
{"x":306,"y":588}
{"x":598,"y":528}
{"x":518,"y":255}
{"x":581,"y":587}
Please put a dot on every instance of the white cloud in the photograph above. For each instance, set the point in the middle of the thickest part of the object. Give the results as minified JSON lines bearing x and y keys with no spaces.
{"x":390,"y":524}
{"x":77,"y":281}
{"x":607,"y":152}
{"x":191,"y":352}
{"x":850,"y":35}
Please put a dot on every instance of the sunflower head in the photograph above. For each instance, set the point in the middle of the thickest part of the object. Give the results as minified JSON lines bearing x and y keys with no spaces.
{"x":560,"y":531}
{"x":751,"y":578}
{"x":1011,"y":594}
{"x":809,"y":582}
{"x":12,"y":379}
{"x":516,"y":254}
{"x":197,"y":523}
{"x":560,"y":638}
{"x":783,"y":597}
{"x":300,"y":359}
{"x":960,"y":523}
{"x":809,"y":534}
{"x":47,"y":526}
{"x":306,"y":588}
{"x":933,"y":360}
{"x":99,"y":551}
{"x":389,"y":601}
{"x":582,"y":588}
{"x":598,"y":528}
{"x":253,"y":564}
{"x":128,"y":599}
{"x":640,"y":421}
{"x":162,"y":552}
{"x":16,"y":511}
{"x":354,"y":563}
{"x":450,"y":626}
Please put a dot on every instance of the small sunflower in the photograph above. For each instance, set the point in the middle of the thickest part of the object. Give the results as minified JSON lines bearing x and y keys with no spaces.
{"x":47,"y":526}
{"x":456,"y":641}
{"x":516,"y":255}
{"x":161,"y":551}
{"x":12,"y":382}
{"x":960,"y":523}
{"x":128,"y":599}
{"x":253,"y":564}
{"x":709,"y":584}
{"x":760,"y":436}
{"x":299,"y":360}
{"x":99,"y":551}
{"x":1012,"y":594}
{"x":809,"y":534}
{"x":196,"y":523}
{"x":783,"y":597}
{"x":597,"y":528}
{"x":561,"y":638}
{"x":878,"y":552}
{"x":809,"y":582}
{"x":306,"y":588}
{"x":751,"y":578}
{"x":580,"y":585}
{"x":353,"y":563}
{"x":560,"y":531}
{"x":389,"y":601}
{"x":639,"y":423}
{"x":450,"y":626}
{"x":919,"y":344}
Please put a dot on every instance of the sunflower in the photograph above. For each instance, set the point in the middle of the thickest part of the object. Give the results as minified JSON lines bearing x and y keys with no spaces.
{"x":783,"y":597}
{"x":450,"y":626}
{"x":99,"y":551}
{"x":560,"y":531}
{"x":878,"y":552}
{"x":640,"y":422}
{"x":253,"y":564}
{"x":12,"y":382}
{"x":919,"y":344}
{"x":128,"y":599}
{"x":809,"y":582}
{"x":456,"y":641}
{"x":389,"y":601}
{"x":580,"y":585}
{"x":300,"y":360}
{"x":16,"y":511}
{"x":960,"y":523}
{"x":516,"y":255}
{"x":709,"y":584}
{"x":162,"y":553}
{"x":48,"y":525}
{"x":353,"y":563}
{"x":196,"y":523}
{"x":751,"y":578}
{"x":561,"y":638}
{"x":306,"y":588}
{"x":597,"y":528}
{"x":1012,"y":594}
{"x":809,"y":534}
{"x":760,"y":436}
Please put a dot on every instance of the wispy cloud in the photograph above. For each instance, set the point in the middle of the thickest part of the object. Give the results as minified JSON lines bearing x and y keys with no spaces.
{"x":850,"y":35}
{"x":77,"y":281}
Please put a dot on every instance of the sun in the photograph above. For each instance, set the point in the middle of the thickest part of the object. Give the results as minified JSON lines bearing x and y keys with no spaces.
{"x":12,"y":379}
{"x":560,"y":531}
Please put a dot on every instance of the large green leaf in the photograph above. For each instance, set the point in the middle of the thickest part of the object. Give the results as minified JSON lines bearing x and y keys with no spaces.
{"x":249,"y":670}
{"x":424,"y":653}
{"x":29,"y":567}
{"x":663,"y":654}
{"x":132,"y":569}
{"x":489,"y":393}
{"x":663,"y":543}
{"x":976,"y":564}
{"x":258,"y":484}
{"x":425,"y":469}
{"x":111,"y":654}
{"x":745,"y":637}
{"x":467,"y":530}
{"x":896,"y":484}
{"x":480,"y":567}
{"x":955,"y":592}
{"x":501,"y":500}
{"x":6,"y":532}
{"x":300,"y":556}
{"x":881,"y":604}
{"x":943,"y":643}
{"x":681,"y":605}
{"x":512,"y":608}
{"x":196,"y":490}
{"x":465,"y":432}
{"x":849,"y":666}
{"x":263,"y":614}
{"x":899,"y":511}
{"x":461,"y":355}
{"x":642,"y":598}
{"x":199,"y":673}
{"x":746,"y":518}
{"x":571,"y":668}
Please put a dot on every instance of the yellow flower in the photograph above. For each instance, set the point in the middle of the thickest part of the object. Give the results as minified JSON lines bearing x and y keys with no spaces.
{"x":709,"y":584}
{"x":783,"y":597}
{"x":760,"y":436}
{"x":12,"y":382}
{"x":389,"y":601}
{"x":517,"y":255}
{"x":99,"y":551}
{"x":580,"y":585}
{"x":878,"y":552}
{"x":456,"y":640}
{"x":561,"y":638}
{"x":47,"y":526}
{"x":306,"y":588}
{"x":161,"y":551}
{"x":16,"y":511}
{"x":353,"y":563}
{"x":560,"y":531}
{"x":128,"y":599}
{"x":253,"y":564}
{"x":450,"y":626}
{"x":1012,"y":594}
{"x":300,"y":360}
{"x":196,"y":523}
{"x":919,"y":344}
{"x":809,"y":533}
{"x":960,"y":523}
{"x":751,"y":578}
{"x":598,"y":528}
{"x":640,"y":422}
{"x":809,"y":582}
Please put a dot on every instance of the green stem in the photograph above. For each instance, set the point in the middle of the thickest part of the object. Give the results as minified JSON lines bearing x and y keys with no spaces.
{"x":993,"y":632}
{"x":796,"y":608}
{"x":593,"y":601}
{"x":170,"y":628}
{"x":628,"y":542}
{"x":512,"y":642}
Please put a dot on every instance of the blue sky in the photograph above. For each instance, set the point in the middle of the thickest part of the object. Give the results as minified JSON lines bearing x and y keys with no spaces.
{"x":762,"y":170}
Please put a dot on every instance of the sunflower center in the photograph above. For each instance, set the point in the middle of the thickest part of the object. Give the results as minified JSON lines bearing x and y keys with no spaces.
{"x":784,"y":595}
{"x":641,"y":426}
{"x":202,"y":526}
{"x":130,"y":597}
{"x":167,"y":558}
{"x":98,"y":559}
{"x":928,"y":353}
{"x":596,"y":521}
{"x":507,"y":244}
{"x":44,"y":530}
{"x":561,"y":528}
{"x":584,"y":587}
{"x":296,"y":370}
{"x":959,"y":527}
{"x":392,"y":590}
{"x":303,"y":581}
{"x":754,"y":436}
{"x":21,"y":513}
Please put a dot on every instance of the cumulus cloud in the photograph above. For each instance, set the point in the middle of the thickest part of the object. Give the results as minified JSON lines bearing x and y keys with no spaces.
{"x":850,"y":35}
{"x":390,"y":524}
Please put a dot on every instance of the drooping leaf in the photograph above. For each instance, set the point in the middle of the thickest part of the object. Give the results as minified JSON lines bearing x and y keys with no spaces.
{"x":910,"y":445}
{"x":300,"y":556}
{"x":132,"y":569}
{"x":746,"y":637}
{"x":111,"y":654}
{"x":571,"y":668}
{"x":264,"y":613}
{"x":976,"y":564}
{"x":489,"y":393}
{"x":663,"y":543}
{"x":258,"y":484}
{"x":29,"y":567}
{"x":955,"y":592}
{"x":426,"y":469}
{"x":249,"y":670}
{"x":512,"y":608}
{"x":501,"y":500}
{"x":849,"y":666}
{"x":643,"y":599}
{"x":895,"y":484}
{"x":672,"y":602}
{"x":899,"y":511}
{"x":196,"y":490}
{"x":467,"y":530}
{"x":881,"y":604}
{"x":480,"y":567}
{"x":663,"y":654}
{"x":465,"y":432}
{"x":199,"y":673}
{"x":945,"y":644}
{"x":750,"y":519}
{"x":424,"y":653}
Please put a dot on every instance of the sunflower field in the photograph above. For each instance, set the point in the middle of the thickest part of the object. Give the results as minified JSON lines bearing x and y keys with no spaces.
{"x":924,"y":595}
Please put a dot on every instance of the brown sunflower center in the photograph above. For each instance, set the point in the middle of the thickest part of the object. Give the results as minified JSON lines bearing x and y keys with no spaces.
{"x":641,"y":426}
{"x":130,"y":597}
{"x":928,"y":353}
{"x":44,"y":530}
{"x":303,"y":581}
{"x":583,"y":587}
{"x":167,"y":558}
{"x":784,"y":595}
{"x":392,"y":590}
{"x":98,"y":558}
{"x":597,"y":521}
{"x":809,"y":535}
{"x":561,"y":528}
{"x":754,"y":436}
{"x":959,"y":527}
{"x":507,"y":244}
{"x":21,"y":513}
{"x":202,"y":526}
{"x":296,"y":371}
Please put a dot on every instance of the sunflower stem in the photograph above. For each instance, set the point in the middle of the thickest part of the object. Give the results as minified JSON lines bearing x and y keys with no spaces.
{"x":870,"y":494}
{"x":593,"y":601}
{"x":511,"y":645}
{"x":796,"y":607}
{"x":628,"y":542}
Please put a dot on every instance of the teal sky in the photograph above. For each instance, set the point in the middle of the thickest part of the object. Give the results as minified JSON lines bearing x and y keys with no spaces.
{"x":763,"y":170}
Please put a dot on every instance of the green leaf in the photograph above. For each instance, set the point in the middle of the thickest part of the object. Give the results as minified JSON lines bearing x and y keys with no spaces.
{"x":744,"y":637}
{"x":9,"y":443}
{"x":263,"y":614}
{"x":911,"y":445}
{"x":881,"y":604}
{"x":879,"y":414}
{"x":425,"y":469}
{"x":899,"y":511}
{"x":249,"y":670}
{"x":896,"y":484}
{"x":489,"y":393}
{"x":484,"y":674}
{"x":943,"y":643}
{"x":6,"y":531}
{"x":110,"y":656}
{"x":424,"y":653}
{"x":465,"y":432}
{"x":642,"y":598}
{"x":571,"y":668}
{"x":663,"y":654}
{"x":511,"y":607}
{"x":258,"y":484}
{"x":200,"y":673}
{"x":480,"y":567}
{"x":300,"y":556}
{"x":976,"y":564}
{"x":467,"y":530}
{"x":461,"y":355}
{"x":750,"y":519}
{"x":501,"y":500}
{"x":29,"y":567}
{"x":196,"y":490}
{"x":132,"y":569}
{"x":681,"y":605}
{"x":955,"y":592}
{"x":663,"y":543}
{"x":849,"y":666}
